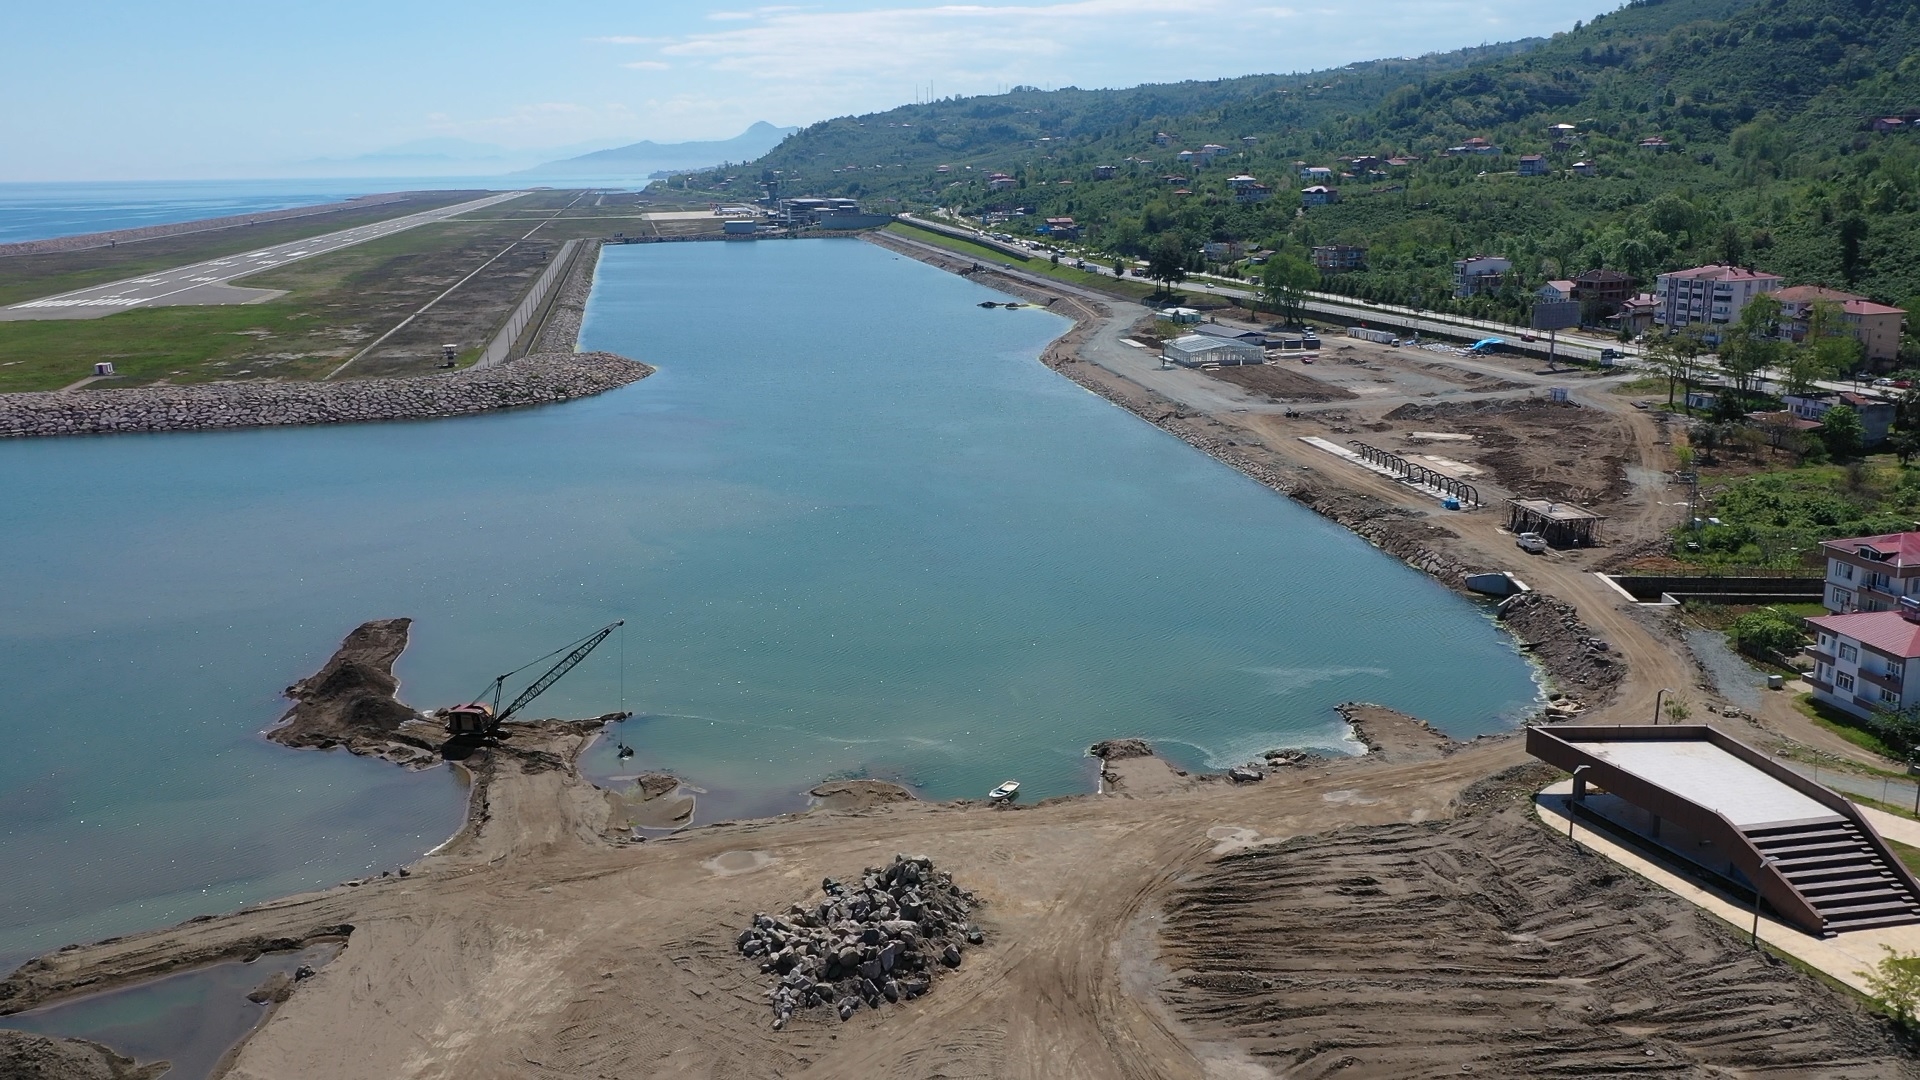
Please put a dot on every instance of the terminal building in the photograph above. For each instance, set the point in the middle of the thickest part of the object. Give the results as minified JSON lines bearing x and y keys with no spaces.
{"x":1205,"y":350}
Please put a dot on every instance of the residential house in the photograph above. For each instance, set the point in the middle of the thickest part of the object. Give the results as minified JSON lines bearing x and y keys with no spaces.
{"x":1064,"y":228}
{"x":1480,"y":275}
{"x":1876,"y":415}
{"x":1877,"y":326}
{"x":1222,"y":251}
{"x":1339,"y":258}
{"x":1241,"y":181}
{"x":1184,"y":157}
{"x":1472,"y":146}
{"x":1249,"y":141}
{"x":1161,"y":138}
{"x":1400,"y":162}
{"x":1871,"y":573}
{"x":1363,"y":163}
{"x":1176,"y":180}
{"x":1860,"y":660}
{"x":943,"y":169}
{"x":1636,"y":313}
{"x":1584,"y":168}
{"x":1105,"y":172}
{"x":1318,"y":195}
{"x":1253,"y":193}
{"x":1602,"y":292}
{"x":1532,"y":165}
{"x":1316,"y":173}
{"x":1554,"y":292}
{"x":1777,"y":426}
{"x":1561,"y":131}
{"x":1708,"y":296}
{"x":1889,"y":123}
{"x":1000,"y":182}
{"x":1211,"y":151}
{"x":1656,"y":144}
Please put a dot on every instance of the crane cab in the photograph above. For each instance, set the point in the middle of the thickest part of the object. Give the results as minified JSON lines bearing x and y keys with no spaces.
{"x":474,"y":719}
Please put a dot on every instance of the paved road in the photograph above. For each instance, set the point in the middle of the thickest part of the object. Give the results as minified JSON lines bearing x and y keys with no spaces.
{"x":210,"y":282}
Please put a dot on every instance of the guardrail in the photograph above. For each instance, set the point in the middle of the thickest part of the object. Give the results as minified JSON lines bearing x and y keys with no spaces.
{"x":1420,"y":474}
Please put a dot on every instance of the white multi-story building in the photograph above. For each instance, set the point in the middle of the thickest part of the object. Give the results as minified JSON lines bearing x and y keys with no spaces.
{"x":1479,"y":275}
{"x":1861,"y":660}
{"x":1708,"y":297}
{"x":1872,"y":573}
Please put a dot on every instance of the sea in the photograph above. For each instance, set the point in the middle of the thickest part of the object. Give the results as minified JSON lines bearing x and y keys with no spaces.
{"x":854,"y":528}
{"x":41,"y":211}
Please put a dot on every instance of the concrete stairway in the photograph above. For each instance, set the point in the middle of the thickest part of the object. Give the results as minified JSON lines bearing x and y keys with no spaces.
{"x":1831,"y":864}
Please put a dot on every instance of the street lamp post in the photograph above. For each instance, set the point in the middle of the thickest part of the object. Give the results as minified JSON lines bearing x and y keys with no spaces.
{"x":1753,"y":937}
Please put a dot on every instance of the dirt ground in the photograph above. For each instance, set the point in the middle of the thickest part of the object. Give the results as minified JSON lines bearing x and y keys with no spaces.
{"x":1282,"y":382}
{"x":1391,"y":915}
{"x":1485,"y":945}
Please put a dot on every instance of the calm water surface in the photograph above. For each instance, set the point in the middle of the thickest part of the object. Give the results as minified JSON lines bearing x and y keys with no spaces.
{"x":855,"y":530}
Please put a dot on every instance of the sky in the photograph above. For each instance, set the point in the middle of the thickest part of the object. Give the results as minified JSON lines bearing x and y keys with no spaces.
{"x":134,"y":89}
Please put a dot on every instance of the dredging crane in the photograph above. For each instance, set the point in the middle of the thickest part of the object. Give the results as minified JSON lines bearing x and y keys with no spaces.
{"x":483,"y":719}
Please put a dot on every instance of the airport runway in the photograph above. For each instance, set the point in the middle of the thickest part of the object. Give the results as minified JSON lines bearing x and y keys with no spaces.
{"x":210,"y":282}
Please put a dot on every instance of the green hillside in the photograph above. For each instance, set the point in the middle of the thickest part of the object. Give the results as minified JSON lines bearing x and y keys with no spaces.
{"x":1765,"y":107}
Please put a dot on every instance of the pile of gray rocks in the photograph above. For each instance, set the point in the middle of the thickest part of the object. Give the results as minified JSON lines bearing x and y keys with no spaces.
{"x":532,"y":380}
{"x":883,"y":939}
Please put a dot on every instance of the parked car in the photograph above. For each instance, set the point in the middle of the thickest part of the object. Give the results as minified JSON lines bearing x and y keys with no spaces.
{"x":1883,"y":382}
{"x":1531,"y":543}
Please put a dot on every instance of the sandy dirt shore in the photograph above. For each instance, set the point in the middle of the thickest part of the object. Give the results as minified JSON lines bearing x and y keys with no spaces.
{"x":1394,"y":914}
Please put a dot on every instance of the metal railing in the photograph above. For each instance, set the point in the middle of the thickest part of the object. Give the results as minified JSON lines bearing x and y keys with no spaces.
{"x":1417,"y":473}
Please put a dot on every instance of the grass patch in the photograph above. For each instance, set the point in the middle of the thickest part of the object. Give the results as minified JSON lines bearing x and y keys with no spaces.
{"x":1642,"y":386}
{"x":1034,"y":265}
{"x":1843,"y":724}
{"x":1776,"y":519}
{"x":335,"y":304}
{"x":1897,"y":811}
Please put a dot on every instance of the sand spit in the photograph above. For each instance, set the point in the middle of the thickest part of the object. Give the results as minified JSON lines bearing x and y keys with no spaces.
{"x":350,"y":702}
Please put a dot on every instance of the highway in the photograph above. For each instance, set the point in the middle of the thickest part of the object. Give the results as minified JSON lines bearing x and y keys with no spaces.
{"x":210,"y":282}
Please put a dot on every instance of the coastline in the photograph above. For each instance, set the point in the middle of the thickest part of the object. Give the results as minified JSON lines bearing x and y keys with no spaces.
{"x":1548,"y":630}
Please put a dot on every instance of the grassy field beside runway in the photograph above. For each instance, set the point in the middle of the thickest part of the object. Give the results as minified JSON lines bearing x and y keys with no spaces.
{"x":1038,"y":264}
{"x":30,"y":277}
{"x":335,"y":305}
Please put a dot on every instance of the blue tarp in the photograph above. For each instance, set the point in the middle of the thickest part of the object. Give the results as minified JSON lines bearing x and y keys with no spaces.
{"x":1485,"y":343}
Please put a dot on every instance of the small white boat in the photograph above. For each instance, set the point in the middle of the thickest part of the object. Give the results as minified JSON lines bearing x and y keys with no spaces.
{"x":1005,"y":791}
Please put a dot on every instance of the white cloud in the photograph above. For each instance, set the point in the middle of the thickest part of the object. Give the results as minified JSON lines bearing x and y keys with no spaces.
{"x":647,"y":65}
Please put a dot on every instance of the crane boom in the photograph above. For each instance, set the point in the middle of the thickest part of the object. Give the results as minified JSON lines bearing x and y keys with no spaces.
{"x":556,"y":672}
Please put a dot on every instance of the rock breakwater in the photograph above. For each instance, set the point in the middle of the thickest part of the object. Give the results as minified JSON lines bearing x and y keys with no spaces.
{"x":537,"y":379}
{"x":882,"y":940}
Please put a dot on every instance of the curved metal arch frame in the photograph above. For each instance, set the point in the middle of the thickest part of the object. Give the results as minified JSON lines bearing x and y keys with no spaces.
{"x":1459,"y":489}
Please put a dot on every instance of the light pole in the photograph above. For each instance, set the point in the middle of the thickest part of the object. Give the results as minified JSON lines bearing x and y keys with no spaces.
{"x":1753,"y":937}
{"x":1579,"y":788}
{"x":1656,"y":703}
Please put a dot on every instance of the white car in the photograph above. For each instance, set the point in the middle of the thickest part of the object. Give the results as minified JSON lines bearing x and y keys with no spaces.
{"x":1531,"y":543}
{"x":1883,"y":382}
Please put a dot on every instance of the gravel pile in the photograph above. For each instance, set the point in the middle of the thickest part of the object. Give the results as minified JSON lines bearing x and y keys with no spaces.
{"x":883,"y":939}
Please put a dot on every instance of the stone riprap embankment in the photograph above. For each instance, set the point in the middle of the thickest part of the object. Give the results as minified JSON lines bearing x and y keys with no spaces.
{"x":537,"y":379}
{"x":881,"y":940}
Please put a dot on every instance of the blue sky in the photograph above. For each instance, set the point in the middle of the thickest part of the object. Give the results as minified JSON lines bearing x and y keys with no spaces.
{"x":112,"y":89}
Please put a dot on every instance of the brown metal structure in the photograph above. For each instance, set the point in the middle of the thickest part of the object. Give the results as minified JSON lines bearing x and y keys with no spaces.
{"x":1562,"y":524}
{"x":1824,"y":876}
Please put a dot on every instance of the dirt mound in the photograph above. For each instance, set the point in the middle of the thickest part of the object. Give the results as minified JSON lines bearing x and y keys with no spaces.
{"x":882,"y":940}
{"x":1393,"y":736}
{"x":1277,"y":382}
{"x":857,"y":795}
{"x":350,"y":702}
{"x":1488,"y":946}
{"x":40,"y":1057}
{"x":1121,"y":749}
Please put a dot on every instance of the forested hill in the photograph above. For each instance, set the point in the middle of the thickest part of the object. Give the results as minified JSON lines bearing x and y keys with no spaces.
{"x":1765,"y":109}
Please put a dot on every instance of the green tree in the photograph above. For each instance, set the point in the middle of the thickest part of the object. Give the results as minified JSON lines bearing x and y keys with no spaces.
{"x":1904,"y":445}
{"x":1828,"y":349}
{"x":1284,"y":284}
{"x":1843,"y":433}
{"x":1766,"y":633}
{"x":1167,"y":261}
{"x":1751,"y":346}
{"x":1895,"y":983}
{"x":1677,"y":356}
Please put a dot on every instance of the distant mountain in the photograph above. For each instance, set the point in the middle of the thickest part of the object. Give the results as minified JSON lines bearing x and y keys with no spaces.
{"x":644,"y":158}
